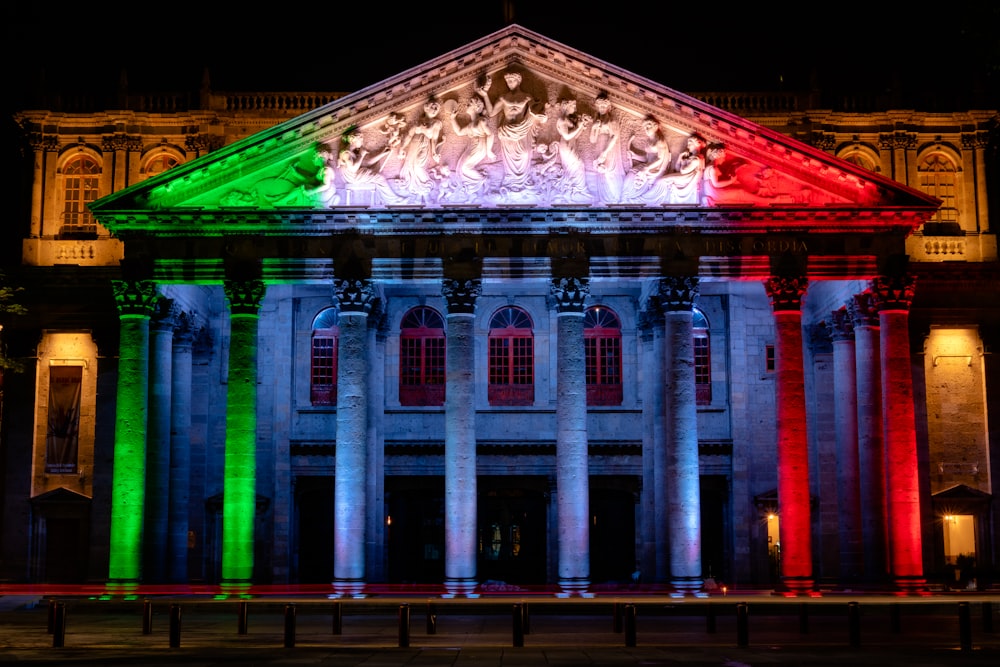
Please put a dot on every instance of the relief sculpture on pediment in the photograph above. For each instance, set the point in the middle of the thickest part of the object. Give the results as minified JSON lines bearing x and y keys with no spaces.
{"x":524,"y":142}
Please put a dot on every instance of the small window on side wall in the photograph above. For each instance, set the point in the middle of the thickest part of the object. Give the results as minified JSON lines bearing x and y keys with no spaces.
{"x":702,"y":358}
{"x":323,"y":373}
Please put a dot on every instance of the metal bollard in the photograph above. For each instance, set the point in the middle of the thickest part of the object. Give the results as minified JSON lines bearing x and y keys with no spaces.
{"x":59,"y":625}
{"x":710,"y":618}
{"x":52,"y":614}
{"x":616,"y":617}
{"x":404,"y":625}
{"x":803,"y":618}
{"x":175,"y":626}
{"x":854,"y":624}
{"x":895,"y":618}
{"x":629,"y":625}
{"x":289,"y":626}
{"x":517,"y":616}
{"x":431,"y":618}
{"x":987,"y":617}
{"x":525,"y":618}
{"x":742,"y":625}
{"x":338,"y":619}
{"x":242,"y":618}
{"x":964,"y":627}
{"x":147,"y":617}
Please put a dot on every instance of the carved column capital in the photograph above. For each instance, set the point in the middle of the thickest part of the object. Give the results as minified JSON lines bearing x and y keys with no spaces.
{"x":244,"y":296}
{"x":862,"y":309}
{"x":893,"y":292}
{"x":570,"y":294}
{"x":786,"y":292}
{"x":354,"y":295}
{"x":164,"y":315}
{"x":677,"y":292}
{"x":818,"y":338}
{"x":461,"y":295}
{"x":185,"y":329}
{"x":841,"y":325}
{"x":135,"y":297}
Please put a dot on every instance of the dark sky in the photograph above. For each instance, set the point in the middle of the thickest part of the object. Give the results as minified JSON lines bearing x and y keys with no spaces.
{"x":690,"y":46}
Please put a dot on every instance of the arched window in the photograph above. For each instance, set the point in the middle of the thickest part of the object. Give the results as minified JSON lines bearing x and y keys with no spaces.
{"x":323,"y":374}
{"x":938,"y":177}
{"x":602,"y":339}
{"x":421,"y":358}
{"x":702,"y":358}
{"x":512,"y":358}
{"x":159,"y":164}
{"x":81,"y":179}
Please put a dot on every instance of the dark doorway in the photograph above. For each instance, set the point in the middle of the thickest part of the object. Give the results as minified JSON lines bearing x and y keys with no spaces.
{"x":512,"y":529}
{"x":314,"y":508}
{"x":714,"y":527}
{"x":415,"y":531}
{"x":63,"y":537}
{"x":612,"y":535}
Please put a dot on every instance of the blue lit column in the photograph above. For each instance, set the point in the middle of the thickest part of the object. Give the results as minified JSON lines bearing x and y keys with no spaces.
{"x":572,"y":465}
{"x":460,"y":484}
{"x":180,"y":451}
{"x":158,"y":442}
{"x":683,"y":487}
{"x":351,"y":469}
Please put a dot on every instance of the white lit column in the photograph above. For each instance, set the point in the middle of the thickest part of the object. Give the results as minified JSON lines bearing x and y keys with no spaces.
{"x":572,"y":468}
{"x":460,"y":487}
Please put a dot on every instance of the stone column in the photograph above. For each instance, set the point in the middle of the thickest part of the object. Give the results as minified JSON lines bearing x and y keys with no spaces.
{"x":180,"y":451}
{"x":136,"y":301}
{"x":239,"y":486}
{"x":375,"y":531}
{"x":351,"y":482}
{"x":893,"y":296}
{"x":845,"y":413}
{"x":460,"y":483}
{"x":572,"y":465}
{"x":683,"y":479}
{"x":655,"y":478}
{"x":793,"y":445}
{"x":871,"y":450}
{"x":45,"y":148}
{"x":158,"y":442}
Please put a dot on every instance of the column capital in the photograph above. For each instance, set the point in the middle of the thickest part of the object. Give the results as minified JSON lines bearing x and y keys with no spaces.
{"x":862,"y":309}
{"x":893,"y":292}
{"x":461,"y":294}
{"x":164,"y":315}
{"x":353,"y":295}
{"x":135,"y":297}
{"x":841,"y":324}
{"x":677,"y":293}
{"x":185,"y":329}
{"x":786,"y":292}
{"x":570,"y":294}
{"x":244,"y":296}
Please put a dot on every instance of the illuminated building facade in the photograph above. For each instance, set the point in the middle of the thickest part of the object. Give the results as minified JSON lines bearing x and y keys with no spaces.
{"x":513,"y":317}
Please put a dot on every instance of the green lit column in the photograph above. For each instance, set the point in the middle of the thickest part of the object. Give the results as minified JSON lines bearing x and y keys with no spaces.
{"x":239,"y":490}
{"x":135,"y":300}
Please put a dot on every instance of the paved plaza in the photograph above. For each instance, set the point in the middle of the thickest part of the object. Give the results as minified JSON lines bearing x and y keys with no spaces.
{"x":621,"y":630}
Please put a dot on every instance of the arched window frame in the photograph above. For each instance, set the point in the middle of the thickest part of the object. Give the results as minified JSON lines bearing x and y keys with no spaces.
{"x":323,"y":358}
{"x":159,"y":161}
{"x":80,"y":174}
{"x":939,"y":175}
{"x":422,"y":358}
{"x":702,"y":345}
{"x":602,"y":339}
{"x":511,"y":358}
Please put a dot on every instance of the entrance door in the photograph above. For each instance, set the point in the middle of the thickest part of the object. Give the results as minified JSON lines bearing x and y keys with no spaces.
{"x":512,"y":530}
{"x":415,"y":529}
{"x":314,"y":505}
{"x":64,"y":536}
{"x":612,"y":536}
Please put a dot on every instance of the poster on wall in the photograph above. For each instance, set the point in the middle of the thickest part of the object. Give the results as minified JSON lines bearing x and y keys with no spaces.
{"x":63,"y":437}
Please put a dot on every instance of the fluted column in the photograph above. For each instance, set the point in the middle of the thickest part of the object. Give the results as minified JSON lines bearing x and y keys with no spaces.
{"x":572,"y":466}
{"x":871,"y":449}
{"x":845,"y":414}
{"x":351,"y":469}
{"x":683,"y":483}
{"x":239,"y":486}
{"x":460,"y":483}
{"x":136,"y":301}
{"x":180,"y":451}
{"x":795,"y":533}
{"x":158,"y":442}
{"x":893,"y":296}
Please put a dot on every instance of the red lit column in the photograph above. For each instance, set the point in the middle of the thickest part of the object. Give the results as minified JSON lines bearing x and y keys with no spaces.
{"x":683,"y":483}
{"x":893,"y":295}
{"x":351,"y":470}
{"x":793,"y":450}
{"x":845,"y":411}
{"x":572,"y":468}
{"x":460,"y":482}
{"x":871,"y":449}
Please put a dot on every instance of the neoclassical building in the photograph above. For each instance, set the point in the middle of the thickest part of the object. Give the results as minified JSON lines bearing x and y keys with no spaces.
{"x":511,"y":318}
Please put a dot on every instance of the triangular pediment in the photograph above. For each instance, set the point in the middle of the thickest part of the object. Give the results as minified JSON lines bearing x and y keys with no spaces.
{"x":570,"y":131}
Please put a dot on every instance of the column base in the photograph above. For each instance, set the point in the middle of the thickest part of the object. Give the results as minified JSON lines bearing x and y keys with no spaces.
{"x":464,"y":587}
{"x":910,"y":585}
{"x":574,"y":587}
{"x":231,"y":588}
{"x":687,"y":586}
{"x":347,"y":588}
{"x":795,"y":586}
{"x":125,"y":589}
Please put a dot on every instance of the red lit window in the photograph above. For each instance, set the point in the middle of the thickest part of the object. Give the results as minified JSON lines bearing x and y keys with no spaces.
{"x":512,"y":358}
{"x":323,"y":376}
{"x":702,"y":359}
{"x":421,"y":358}
{"x":602,"y":340}
{"x":81,"y":177}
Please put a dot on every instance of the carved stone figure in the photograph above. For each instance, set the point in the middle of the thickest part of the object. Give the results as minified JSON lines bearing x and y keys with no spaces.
{"x":516,"y":129}
{"x":420,"y":151}
{"x":650,"y":157}
{"x":605,"y":135}
{"x":472,"y":180}
{"x":359,"y":172}
{"x":569,"y":125}
{"x":684,"y":185}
